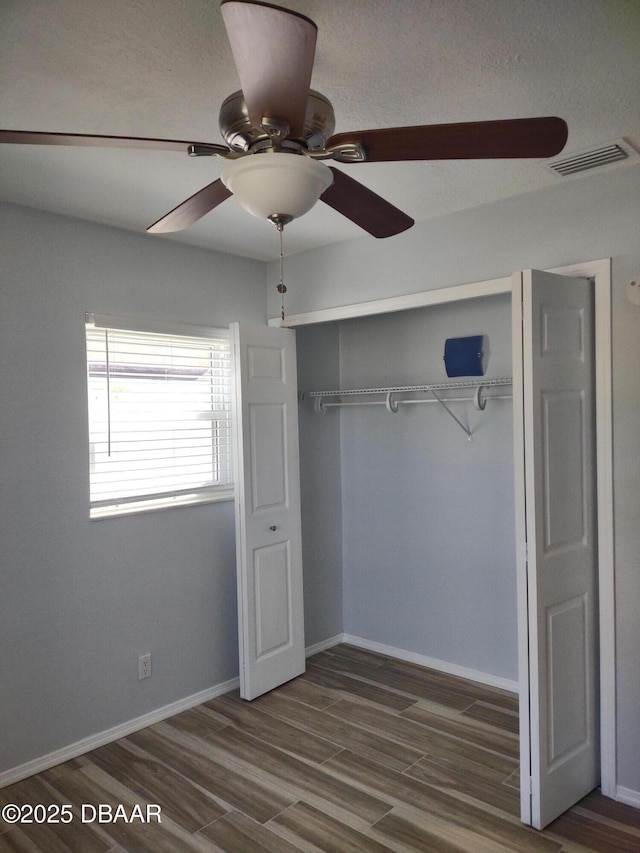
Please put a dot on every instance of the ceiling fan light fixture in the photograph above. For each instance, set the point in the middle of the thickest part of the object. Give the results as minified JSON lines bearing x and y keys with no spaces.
{"x":276,"y":183}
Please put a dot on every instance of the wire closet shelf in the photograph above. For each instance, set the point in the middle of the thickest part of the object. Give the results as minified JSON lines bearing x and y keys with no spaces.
{"x":391,"y":402}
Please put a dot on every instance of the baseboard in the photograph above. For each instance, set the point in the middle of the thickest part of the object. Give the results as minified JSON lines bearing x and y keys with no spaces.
{"x":324,"y":645}
{"x":73,"y":750}
{"x":433,"y":663}
{"x":628,"y":796}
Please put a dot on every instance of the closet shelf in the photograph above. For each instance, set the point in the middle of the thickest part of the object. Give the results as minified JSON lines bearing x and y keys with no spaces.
{"x":397,"y":389}
{"x":391,"y":403}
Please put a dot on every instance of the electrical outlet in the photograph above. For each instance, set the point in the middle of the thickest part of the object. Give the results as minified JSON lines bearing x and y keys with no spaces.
{"x":144,"y":667}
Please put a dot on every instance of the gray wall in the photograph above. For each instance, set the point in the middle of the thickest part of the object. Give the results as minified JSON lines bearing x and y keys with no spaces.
{"x":578,"y":220}
{"x":81,"y":599}
{"x":320,"y":486}
{"x":428,"y":520}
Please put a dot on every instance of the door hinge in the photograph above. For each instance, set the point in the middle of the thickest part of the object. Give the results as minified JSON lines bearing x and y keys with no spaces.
{"x":530,"y":786}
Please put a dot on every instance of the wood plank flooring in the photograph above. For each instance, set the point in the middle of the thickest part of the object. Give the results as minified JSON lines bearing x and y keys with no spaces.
{"x":362,"y":754}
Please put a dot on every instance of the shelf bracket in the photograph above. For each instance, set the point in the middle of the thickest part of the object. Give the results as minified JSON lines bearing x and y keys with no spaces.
{"x":462,"y":426}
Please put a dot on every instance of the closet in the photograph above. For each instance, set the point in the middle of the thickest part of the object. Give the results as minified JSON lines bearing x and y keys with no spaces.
{"x":423,"y":531}
{"x":427,"y":518}
{"x":472,"y":539}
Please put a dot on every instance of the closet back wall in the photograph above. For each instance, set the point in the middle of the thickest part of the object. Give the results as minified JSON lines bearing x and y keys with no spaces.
{"x":428,"y":520}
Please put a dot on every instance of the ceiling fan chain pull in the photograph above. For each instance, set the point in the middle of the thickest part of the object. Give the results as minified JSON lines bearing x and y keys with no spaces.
{"x":281,"y":288}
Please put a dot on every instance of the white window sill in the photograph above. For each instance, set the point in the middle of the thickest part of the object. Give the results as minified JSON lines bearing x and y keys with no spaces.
{"x":160,"y":504}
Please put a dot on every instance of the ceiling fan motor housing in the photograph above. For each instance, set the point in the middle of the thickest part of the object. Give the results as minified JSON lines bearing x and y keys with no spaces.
{"x":240,"y":135}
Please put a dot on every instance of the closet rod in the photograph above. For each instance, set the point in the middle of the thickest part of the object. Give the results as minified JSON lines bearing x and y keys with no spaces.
{"x":347,"y":403}
{"x":391,"y":404}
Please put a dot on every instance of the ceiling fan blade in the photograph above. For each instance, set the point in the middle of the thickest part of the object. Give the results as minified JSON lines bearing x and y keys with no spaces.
{"x":364,"y":207}
{"x":194,"y":208}
{"x":35,"y":137}
{"x":273,"y":49}
{"x":520,"y":137}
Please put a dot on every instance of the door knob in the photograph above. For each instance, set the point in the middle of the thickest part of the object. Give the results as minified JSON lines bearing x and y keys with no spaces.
{"x":273,"y":527}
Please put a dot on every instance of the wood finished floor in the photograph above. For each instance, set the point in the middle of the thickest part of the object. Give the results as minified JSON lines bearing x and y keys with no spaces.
{"x":362,"y":754}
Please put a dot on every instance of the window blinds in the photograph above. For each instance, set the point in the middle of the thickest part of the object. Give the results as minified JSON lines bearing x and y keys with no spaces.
{"x":159,"y":416}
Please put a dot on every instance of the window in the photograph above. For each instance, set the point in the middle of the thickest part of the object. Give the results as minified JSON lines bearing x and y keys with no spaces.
{"x":159,"y":417}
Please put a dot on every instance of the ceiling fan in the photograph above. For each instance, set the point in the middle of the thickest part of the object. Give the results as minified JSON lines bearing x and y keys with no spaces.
{"x":279,"y":132}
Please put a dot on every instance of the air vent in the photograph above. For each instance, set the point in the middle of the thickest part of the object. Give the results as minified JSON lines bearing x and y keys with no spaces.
{"x":613,"y":153}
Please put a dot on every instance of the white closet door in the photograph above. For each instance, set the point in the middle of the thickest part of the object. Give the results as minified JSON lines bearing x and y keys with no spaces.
{"x":555,"y":466}
{"x":268,"y":528}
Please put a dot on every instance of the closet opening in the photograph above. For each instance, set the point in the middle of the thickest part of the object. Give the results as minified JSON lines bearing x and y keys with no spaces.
{"x":412,"y":510}
{"x":407,"y":525}
{"x":426,"y":527}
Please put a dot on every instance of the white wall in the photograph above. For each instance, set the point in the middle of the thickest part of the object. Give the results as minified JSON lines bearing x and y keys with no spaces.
{"x":578,"y":220}
{"x":81,"y":599}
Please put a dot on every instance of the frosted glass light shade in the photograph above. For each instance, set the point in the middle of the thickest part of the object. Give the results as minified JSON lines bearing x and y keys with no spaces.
{"x":276,"y":183}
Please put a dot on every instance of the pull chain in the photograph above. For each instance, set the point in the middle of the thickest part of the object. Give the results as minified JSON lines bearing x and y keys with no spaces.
{"x":280,"y":220}
{"x":281,"y":286}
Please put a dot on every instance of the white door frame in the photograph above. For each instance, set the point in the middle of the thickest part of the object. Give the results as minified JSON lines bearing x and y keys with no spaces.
{"x":600,"y":272}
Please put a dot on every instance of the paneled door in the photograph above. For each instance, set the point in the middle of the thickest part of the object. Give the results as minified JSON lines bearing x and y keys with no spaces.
{"x":268,"y":526}
{"x":554,"y":436}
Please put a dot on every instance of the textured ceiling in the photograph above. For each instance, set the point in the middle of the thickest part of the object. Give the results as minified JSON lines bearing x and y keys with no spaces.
{"x":161,"y":68}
